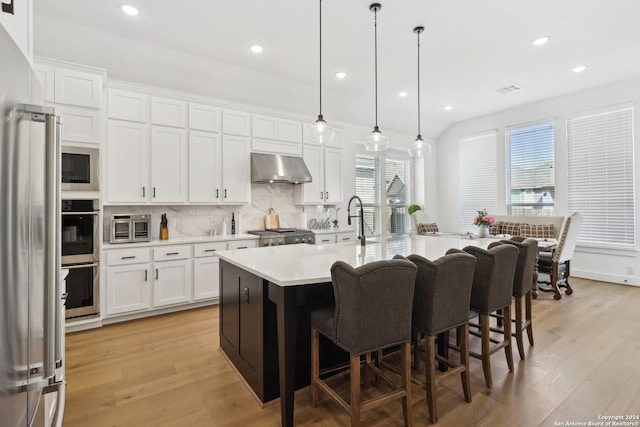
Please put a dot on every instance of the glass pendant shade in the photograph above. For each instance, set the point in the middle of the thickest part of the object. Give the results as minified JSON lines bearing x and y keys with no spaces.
{"x":321,"y":133}
{"x":419,"y":147}
{"x":376,"y":141}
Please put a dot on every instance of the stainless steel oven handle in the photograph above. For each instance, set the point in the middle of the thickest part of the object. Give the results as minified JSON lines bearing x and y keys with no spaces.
{"x":77,"y":266}
{"x":81,"y":213}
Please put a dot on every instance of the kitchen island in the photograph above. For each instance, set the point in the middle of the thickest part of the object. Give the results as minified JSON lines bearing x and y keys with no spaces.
{"x":266,"y":295}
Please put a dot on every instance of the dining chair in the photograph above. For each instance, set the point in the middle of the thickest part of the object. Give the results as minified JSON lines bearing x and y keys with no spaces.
{"x":523,"y":281}
{"x":556,"y":264}
{"x":372,"y":312}
{"x":441,"y":303}
{"x":491,"y":291}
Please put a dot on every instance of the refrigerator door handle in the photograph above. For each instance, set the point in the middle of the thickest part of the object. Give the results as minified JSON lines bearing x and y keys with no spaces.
{"x":60,"y":389}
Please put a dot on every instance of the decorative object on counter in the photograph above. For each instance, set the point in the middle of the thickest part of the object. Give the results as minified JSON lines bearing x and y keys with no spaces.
{"x":233,"y":223}
{"x":271,"y":220}
{"x":483,"y":221}
{"x":376,"y":141}
{"x":320,"y":133}
{"x":164,"y":227}
{"x":319,"y":224}
{"x":335,"y":224}
{"x":419,"y":146}
{"x":224,"y":227}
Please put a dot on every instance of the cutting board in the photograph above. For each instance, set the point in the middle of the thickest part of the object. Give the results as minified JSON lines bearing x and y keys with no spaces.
{"x":271,"y":220}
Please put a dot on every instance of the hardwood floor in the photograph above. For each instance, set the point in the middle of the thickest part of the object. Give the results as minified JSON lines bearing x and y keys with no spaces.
{"x":169,"y":371}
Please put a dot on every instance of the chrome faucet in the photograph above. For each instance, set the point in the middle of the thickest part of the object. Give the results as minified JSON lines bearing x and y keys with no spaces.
{"x":349,"y":216}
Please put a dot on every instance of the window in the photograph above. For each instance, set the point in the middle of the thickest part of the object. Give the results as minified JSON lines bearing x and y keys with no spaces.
{"x":478,"y":182}
{"x":531,"y":176}
{"x":601,"y":177}
{"x":371,"y":188}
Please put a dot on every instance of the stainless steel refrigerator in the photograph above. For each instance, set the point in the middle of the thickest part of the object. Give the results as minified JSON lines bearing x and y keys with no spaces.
{"x":32,"y":383}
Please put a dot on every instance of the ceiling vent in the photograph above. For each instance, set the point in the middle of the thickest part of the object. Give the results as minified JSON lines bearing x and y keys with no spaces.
{"x":509,"y":89}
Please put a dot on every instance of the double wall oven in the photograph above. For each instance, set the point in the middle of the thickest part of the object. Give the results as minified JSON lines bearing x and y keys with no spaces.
{"x":80,"y":255}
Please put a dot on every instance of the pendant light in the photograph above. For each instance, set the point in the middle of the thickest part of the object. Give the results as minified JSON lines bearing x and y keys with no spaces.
{"x":376,"y":141}
{"x":320,"y":133}
{"x":419,"y":146}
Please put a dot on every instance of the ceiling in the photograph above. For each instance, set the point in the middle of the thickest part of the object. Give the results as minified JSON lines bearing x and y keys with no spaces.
{"x":469,"y":49}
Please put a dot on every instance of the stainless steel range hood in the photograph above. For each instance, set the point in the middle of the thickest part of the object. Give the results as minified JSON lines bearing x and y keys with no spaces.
{"x":277,"y":168}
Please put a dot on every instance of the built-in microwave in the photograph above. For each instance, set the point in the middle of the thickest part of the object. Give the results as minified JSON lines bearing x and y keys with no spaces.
{"x":80,"y":169}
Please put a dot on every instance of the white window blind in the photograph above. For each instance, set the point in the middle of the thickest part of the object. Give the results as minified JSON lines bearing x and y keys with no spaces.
{"x":601,"y":177}
{"x":397,"y":194}
{"x":368,"y":189}
{"x":477,"y":179}
{"x":531,"y":176}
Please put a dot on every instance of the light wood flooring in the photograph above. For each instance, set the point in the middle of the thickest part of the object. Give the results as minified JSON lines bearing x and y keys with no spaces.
{"x":169,"y":371}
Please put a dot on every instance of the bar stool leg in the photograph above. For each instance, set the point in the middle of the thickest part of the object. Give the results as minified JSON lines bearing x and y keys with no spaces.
{"x":463,"y":342}
{"x":430,"y":372}
{"x":519,"y":337}
{"x":486,"y":348}
{"x":508,"y":348}
{"x":527,"y":308}
{"x":315,"y":365}
{"x":354,"y":373}
{"x":405,"y":382}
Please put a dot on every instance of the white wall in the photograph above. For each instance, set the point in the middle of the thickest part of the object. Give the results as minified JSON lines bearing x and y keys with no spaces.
{"x":19,"y":25}
{"x":613,"y":266}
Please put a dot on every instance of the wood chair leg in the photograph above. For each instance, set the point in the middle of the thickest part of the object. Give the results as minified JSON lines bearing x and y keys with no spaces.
{"x":519,"y":337}
{"x":315,"y":366}
{"x":508,"y":348}
{"x":567,"y":285}
{"x":366,"y":377}
{"x":486,"y":345}
{"x":527,"y":316}
{"x":416,"y":350}
{"x":430,"y":376}
{"x":554,"y":281}
{"x":405,"y":383}
{"x":463,"y":333}
{"x":354,"y":374}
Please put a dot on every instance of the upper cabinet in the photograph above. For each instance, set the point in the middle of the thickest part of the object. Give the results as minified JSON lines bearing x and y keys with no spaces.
{"x":16,"y":18}
{"x":235,"y":122}
{"x":127,"y":162}
{"x":77,"y":88}
{"x":125,"y":105}
{"x":168,"y":112}
{"x":275,"y":128}
{"x":325,"y":165}
{"x":204,"y":117}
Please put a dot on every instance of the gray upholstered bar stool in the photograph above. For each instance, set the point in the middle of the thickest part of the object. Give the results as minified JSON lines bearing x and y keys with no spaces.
{"x":492,"y":288}
{"x":523,"y":280}
{"x":441,"y":303}
{"x":372,"y":311}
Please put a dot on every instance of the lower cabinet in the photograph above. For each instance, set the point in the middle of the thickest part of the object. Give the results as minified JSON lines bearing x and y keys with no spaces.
{"x":172,"y":283}
{"x":128,"y":288}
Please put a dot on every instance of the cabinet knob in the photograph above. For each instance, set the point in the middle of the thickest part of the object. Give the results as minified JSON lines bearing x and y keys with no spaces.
{"x":156,"y":274}
{"x":144,"y":193}
{"x":245,"y":295}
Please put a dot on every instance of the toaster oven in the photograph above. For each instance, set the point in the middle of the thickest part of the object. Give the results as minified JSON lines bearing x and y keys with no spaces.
{"x":127,"y":228}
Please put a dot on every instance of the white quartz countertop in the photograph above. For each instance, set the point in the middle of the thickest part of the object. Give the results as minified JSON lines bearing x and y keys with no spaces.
{"x":292,"y":265}
{"x":334,"y":231}
{"x":183,"y":240}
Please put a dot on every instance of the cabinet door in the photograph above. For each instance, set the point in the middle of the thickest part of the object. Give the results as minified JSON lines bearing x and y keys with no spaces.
{"x":172,"y":284}
{"x":168,"y":165}
{"x":312,"y":192}
{"x":77,"y":88}
{"x":325,"y":239}
{"x":204,"y":152}
{"x":264,"y":126}
{"x":251,"y":320}
{"x":204,"y":117}
{"x":333,"y":175}
{"x":128,"y":288}
{"x":80,"y":124}
{"x":206,"y":278}
{"x":236,"y":122}
{"x":236,"y":170}
{"x":229,"y":307}
{"x":125,"y":105}
{"x":168,"y":112}
{"x":127,"y":162}
{"x":46,"y":77}
{"x":289,"y":130}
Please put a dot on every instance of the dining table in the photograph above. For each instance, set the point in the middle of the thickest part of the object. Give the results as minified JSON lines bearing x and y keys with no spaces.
{"x":288,"y":272}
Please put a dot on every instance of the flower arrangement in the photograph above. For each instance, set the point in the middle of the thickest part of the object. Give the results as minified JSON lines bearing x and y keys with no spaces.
{"x":483,"y":218}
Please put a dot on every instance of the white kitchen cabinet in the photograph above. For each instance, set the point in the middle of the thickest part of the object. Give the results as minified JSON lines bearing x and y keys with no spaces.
{"x":79,"y":124}
{"x":205,"y":151}
{"x":46,"y":77}
{"x":206,"y":278}
{"x":234,"y":171}
{"x":77,"y":88}
{"x":204,"y":117}
{"x":345,"y":236}
{"x":325,"y":238}
{"x":269,"y":127}
{"x":126,"y":105}
{"x":127,"y":162}
{"x":128,"y":284}
{"x":235,"y":122}
{"x":325,"y":166}
{"x":243,"y":244}
{"x":168,"y":165}
{"x":276,"y":147}
{"x":172,"y":282}
{"x":168,"y":112}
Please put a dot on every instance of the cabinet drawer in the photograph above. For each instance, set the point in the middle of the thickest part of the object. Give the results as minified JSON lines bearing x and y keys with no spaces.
{"x":324,"y":239}
{"x":127,"y":256}
{"x":243,"y":244}
{"x":345,"y":237}
{"x":171,"y":253}
{"x":208,"y":249}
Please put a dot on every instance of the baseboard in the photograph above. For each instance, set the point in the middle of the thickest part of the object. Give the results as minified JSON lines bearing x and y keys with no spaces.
{"x":604,"y":277}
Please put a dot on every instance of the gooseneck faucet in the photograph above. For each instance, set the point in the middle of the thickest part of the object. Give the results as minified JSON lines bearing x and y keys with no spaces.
{"x":349,"y":216}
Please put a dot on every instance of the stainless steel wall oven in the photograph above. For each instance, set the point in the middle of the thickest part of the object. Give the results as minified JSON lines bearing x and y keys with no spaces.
{"x":80,"y":254}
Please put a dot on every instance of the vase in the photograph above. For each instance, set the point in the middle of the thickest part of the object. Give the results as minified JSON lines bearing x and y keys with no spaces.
{"x":483,"y":231}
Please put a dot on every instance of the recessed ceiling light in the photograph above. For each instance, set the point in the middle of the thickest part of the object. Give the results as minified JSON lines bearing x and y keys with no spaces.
{"x":540,"y":41}
{"x":579,"y":68}
{"x":256,"y":48}
{"x":341,"y":75}
{"x":402,"y":94}
{"x":129,"y":10}
{"x":448,"y":107}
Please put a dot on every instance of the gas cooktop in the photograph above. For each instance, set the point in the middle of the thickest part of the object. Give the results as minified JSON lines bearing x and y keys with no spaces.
{"x":283,"y":236}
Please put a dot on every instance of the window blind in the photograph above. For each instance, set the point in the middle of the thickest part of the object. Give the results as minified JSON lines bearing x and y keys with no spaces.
{"x":477,"y":179}
{"x":397,"y":194}
{"x":368,"y":189}
{"x":531,"y":176}
{"x":601,"y":177}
